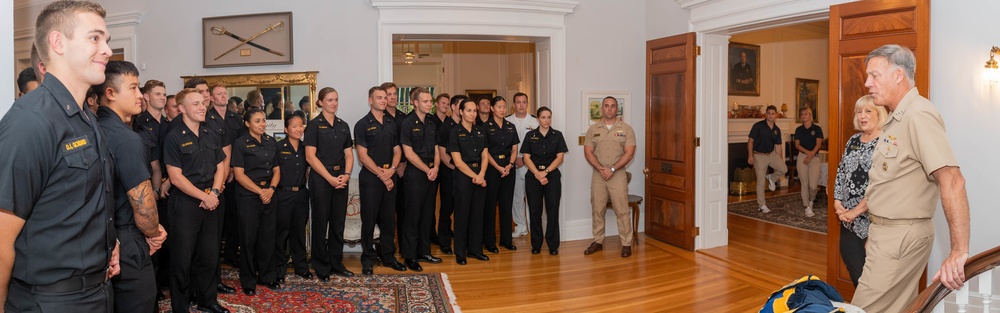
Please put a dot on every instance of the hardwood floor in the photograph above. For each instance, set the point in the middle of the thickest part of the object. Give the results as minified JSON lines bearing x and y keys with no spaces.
{"x":658,"y":277}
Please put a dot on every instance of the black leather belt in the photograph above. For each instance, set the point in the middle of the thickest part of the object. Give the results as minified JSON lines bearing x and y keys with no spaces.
{"x":262,"y":183}
{"x":291,"y":188}
{"x":386,"y":166}
{"x":75,"y":283}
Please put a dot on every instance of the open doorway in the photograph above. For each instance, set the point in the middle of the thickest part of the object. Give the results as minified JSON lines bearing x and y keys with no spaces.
{"x":473,"y":68}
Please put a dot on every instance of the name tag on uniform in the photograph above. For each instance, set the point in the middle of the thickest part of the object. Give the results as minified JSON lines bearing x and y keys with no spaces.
{"x":251,"y":146}
{"x":597,"y":135}
{"x":373,"y":128}
{"x":620,"y":134}
{"x":323,"y":126}
{"x":76,"y":143}
{"x":187,"y":144}
{"x":416,"y":130}
{"x":461,"y":135}
{"x":286,"y":152}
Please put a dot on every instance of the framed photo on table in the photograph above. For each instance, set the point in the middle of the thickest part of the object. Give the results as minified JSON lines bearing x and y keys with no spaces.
{"x":744,"y":69}
{"x":242,"y":40}
{"x":592,"y":101}
{"x":806,"y":95}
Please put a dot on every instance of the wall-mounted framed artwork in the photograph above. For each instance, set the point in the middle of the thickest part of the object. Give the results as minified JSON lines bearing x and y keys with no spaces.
{"x":806,"y":95}
{"x":592,"y":101}
{"x":744,"y":69}
{"x":244,"y":40}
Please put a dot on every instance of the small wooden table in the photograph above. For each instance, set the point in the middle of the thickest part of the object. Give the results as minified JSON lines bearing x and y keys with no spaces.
{"x":633,"y":202}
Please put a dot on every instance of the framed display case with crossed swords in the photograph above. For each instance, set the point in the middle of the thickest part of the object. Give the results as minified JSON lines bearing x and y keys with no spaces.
{"x":244,"y":40}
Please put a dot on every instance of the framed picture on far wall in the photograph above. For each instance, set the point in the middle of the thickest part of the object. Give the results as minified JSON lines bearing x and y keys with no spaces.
{"x":744,"y":69}
{"x":806,"y":95}
{"x":592,"y":101}
{"x":476,"y":94}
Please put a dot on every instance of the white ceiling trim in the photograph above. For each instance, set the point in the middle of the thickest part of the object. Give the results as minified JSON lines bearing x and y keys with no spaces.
{"x":542,"y":6}
{"x":124,"y":19}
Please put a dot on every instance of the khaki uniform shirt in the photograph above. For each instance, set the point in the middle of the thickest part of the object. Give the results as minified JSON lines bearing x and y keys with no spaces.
{"x":913,"y":145}
{"x":609,"y":144}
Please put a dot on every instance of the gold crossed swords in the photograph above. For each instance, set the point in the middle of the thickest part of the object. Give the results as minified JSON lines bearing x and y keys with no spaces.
{"x":249,"y":41}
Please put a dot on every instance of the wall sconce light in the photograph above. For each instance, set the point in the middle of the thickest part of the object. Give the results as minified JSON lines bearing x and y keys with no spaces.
{"x":991,"y":73}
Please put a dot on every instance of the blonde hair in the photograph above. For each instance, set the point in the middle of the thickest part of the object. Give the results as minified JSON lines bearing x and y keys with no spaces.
{"x":868,"y":102}
{"x":60,"y":16}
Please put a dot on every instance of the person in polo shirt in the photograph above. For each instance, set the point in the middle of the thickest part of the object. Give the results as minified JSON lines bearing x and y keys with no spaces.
{"x":762,"y":146}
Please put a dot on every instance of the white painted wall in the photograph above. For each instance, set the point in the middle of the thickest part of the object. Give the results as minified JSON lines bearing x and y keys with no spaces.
{"x":787,"y":53}
{"x":961,"y":36}
{"x":7,"y":52}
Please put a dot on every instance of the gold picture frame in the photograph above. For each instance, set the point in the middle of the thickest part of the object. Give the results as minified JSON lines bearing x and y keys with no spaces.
{"x":744,"y":73}
{"x":245,"y":40}
{"x":806,"y":95}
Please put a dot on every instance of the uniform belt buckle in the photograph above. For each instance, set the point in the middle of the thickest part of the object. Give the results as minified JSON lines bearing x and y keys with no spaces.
{"x":295,"y":188}
{"x":541,"y":167}
{"x":262,"y":183}
{"x":385,"y":166}
{"x":475,"y":164}
{"x":503,"y":156}
{"x":337,"y":167}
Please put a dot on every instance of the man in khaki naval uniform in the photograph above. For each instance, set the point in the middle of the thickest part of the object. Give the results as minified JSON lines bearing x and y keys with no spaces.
{"x":609,"y":147}
{"x":912,"y":163}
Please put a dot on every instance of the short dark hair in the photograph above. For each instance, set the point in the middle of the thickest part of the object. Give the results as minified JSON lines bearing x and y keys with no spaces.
{"x":520,"y":94}
{"x":27,"y":75}
{"x":191,"y":83}
{"x":304,"y":101}
{"x":493,"y":102}
{"x":612,"y":98}
{"x":296,"y":115}
{"x":236,"y":100}
{"x":416,"y":91}
{"x":249,"y":114}
{"x":538,"y":113}
{"x":386,"y":85}
{"x":372,"y":90}
{"x":113,"y":73}
{"x":771,"y":107}
{"x":60,"y":16}
{"x":457,"y":100}
{"x":152,"y":83}
{"x":442,"y":95}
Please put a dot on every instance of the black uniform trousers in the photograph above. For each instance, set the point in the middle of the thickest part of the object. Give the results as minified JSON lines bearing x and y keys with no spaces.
{"x":98,"y":298}
{"x":418,"y":221}
{"x":135,"y":285}
{"x":469,"y":202}
{"x":230,"y":223}
{"x":377,"y":206}
{"x":852,"y":250}
{"x":329,"y":209}
{"x":161,"y":259}
{"x":447,"y":194}
{"x":257,"y":226}
{"x":194,"y":258}
{"x":292,"y":213}
{"x":499,"y":190}
{"x":549,"y":194}
{"x":399,"y":204}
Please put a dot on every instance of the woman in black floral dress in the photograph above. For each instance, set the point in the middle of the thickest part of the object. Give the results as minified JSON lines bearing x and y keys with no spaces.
{"x":852,"y":181}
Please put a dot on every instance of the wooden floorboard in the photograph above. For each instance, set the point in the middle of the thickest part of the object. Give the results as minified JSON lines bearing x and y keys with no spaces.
{"x":760,"y":258}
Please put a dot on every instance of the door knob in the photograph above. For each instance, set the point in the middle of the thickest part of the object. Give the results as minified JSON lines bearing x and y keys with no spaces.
{"x":645,"y":171}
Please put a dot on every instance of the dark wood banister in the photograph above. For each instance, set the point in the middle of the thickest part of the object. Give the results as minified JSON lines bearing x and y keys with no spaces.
{"x":978,"y":264}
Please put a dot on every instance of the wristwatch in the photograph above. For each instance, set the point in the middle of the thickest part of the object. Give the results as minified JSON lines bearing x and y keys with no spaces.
{"x":612,"y":170}
{"x":216,"y":191}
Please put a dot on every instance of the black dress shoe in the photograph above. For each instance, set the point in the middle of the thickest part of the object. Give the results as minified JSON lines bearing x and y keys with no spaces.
{"x":272,"y":286}
{"x":429,"y":259}
{"x":447,"y":250}
{"x":493,"y":249}
{"x":222,"y":288}
{"x":306,"y":275}
{"x":554,"y":252}
{"x":395,"y":265}
{"x":508,"y":246}
{"x":536,"y":251}
{"x":215,"y":308}
{"x":367,"y":270}
{"x":461,"y":261}
{"x":343,"y":273}
{"x":232,"y":263}
{"x":480,"y":256}
{"x":413,"y":265}
{"x":323,"y":278}
{"x":250,"y":291}
{"x":159,"y":295}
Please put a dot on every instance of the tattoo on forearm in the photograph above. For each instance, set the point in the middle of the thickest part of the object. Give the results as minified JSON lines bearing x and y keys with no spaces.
{"x":144,"y":209}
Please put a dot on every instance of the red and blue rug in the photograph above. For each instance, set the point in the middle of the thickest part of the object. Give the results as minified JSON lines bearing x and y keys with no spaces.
{"x":377,"y":293}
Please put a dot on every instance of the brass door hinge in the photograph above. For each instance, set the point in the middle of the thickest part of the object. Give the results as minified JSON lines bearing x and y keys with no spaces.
{"x":696,"y":232}
{"x":697,"y":50}
{"x":697,"y":142}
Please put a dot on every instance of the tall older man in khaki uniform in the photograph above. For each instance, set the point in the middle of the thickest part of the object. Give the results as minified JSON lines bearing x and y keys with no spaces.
{"x":609,"y":147}
{"x":912,"y":163}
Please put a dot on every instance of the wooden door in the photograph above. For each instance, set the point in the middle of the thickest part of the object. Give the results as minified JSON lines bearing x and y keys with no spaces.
{"x":856,"y":29}
{"x":670,"y":139}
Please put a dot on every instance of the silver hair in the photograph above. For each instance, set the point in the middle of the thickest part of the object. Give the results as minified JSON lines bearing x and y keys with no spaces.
{"x":897,"y":56}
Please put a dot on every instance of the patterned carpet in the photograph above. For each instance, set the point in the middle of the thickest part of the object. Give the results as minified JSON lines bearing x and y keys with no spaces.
{"x":785,"y":210}
{"x":377,"y":293}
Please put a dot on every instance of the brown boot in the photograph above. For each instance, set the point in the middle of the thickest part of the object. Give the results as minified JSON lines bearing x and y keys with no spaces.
{"x":626,"y":251}
{"x":594,"y":247}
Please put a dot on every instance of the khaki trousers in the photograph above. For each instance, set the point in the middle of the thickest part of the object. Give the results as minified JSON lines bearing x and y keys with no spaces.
{"x":760,"y":164}
{"x":616,"y":189}
{"x":896,"y":257}
{"x":808,"y":176}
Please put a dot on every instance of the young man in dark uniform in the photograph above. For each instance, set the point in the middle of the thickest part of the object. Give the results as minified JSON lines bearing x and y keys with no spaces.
{"x":417,"y":138}
{"x":229,"y":126}
{"x":763,"y":147}
{"x":330,"y":153}
{"x":447,"y":176}
{"x":392,"y":110}
{"x":443,"y":104}
{"x":467,"y":146}
{"x":151,"y":125}
{"x":196,"y":166}
{"x":56,"y":228}
{"x":136,"y":217}
{"x":378,"y":150}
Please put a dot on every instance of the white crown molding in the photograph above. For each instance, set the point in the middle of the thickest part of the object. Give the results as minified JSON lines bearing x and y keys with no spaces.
{"x":130,"y":18}
{"x":540,"y":6}
{"x":20,"y":4}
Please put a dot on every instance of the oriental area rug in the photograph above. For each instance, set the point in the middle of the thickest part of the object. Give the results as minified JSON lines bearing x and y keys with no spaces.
{"x":429,"y":292}
{"x":786,"y":210}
